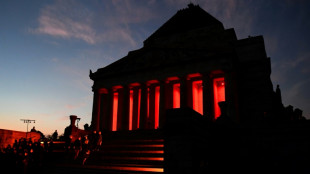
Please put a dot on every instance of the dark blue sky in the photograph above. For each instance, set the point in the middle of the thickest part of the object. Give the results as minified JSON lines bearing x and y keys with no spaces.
{"x":48,"y":47}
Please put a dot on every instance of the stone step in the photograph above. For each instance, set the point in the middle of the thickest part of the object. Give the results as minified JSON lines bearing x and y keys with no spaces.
{"x":111,"y":169}
{"x":121,"y":152}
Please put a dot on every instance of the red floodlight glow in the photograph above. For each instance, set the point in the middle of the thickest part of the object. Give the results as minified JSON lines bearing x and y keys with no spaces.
{"x":115,"y":108}
{"x":176,"y":95}
{"x":130,"y":109}
{"x":219,"y":95}
{"x":197,"y":90}
{"x":157,"y":97}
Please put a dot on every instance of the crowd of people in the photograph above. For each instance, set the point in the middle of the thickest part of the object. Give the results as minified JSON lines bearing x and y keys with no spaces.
{"x":24,"y":155}
{"x":83,"y":146}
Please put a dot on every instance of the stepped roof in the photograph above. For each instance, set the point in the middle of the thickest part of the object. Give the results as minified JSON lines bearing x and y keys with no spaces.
{"x":185,"y":20}
{"x":186,"y":29}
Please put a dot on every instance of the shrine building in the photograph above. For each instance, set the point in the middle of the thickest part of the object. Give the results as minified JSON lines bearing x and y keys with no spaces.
{"x":190,"y":61}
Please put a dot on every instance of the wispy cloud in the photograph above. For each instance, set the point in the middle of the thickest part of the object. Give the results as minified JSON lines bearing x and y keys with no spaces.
{"x":298,"y":95}
{"x":111,"y":23}
{"x":128,"y":12}
{"x":67,"y":19}
{"x":295,"y":90}
{"x":300,"y":63}
{"x":119,"y":18}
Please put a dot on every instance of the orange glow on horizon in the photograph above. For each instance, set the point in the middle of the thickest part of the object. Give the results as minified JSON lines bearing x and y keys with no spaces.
{"x":219,"y":95}
{"x":197,"y":90}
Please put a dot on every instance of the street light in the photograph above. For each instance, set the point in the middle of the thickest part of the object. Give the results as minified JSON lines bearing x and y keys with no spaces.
{"x":27,"y":121}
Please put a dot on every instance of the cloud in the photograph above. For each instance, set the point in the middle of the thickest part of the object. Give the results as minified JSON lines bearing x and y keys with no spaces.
{"x":110,"y":21}
{"x":301,"y":63}
{"x":295,"y":89}
{"x":117,"y":20}
{"x":128,"y":12}
{"x":67,"y":19}
{"x":298,"y":95}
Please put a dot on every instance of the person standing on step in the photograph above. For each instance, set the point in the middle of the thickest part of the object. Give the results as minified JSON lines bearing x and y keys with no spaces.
{"x":98,"y":141}
{"x":77,"y":147}
{"x":86,"y":150}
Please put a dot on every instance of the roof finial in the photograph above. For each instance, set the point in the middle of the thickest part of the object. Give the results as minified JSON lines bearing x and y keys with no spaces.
{"x":190,"y":5}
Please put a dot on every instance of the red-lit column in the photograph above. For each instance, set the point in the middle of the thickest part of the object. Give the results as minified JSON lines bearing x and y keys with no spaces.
{"x":151,"y":117}
{"x":101,"y":110}
{"x":96,"y":111}
{"x":136,"y":108}
{"x":111,"y":101}
{"x":125,"y":108}
{"x":162,"y":104}
{"x":106,"y":111}
{"x":143,"y":107}
{"x":208,"y":96}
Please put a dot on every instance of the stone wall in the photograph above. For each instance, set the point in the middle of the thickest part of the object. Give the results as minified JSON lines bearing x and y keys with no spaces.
{"x":9,"y":136}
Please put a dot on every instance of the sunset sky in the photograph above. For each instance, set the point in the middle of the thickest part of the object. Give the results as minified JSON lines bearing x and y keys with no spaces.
{"x":48,"y":47}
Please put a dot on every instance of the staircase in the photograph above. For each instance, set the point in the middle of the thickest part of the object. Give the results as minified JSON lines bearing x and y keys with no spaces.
{"x":124,"y":152}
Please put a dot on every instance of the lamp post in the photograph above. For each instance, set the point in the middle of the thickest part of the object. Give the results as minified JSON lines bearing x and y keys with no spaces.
{"x":27,"y":121}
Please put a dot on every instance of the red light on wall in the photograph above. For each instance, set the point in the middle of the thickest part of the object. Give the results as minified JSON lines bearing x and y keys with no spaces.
{"x":157,"y":95}
{"x":169,"y":79}
{"x":197,"y":90}
{"x":103,"y":91}
{"x":148,"y":102}
{"x":139,"y":104}
{"x":115,"y":108}
{"x":195,"y":75}
{"x":219,"y":94}
{"x":176,"y":95}
{"x":130,"y":109}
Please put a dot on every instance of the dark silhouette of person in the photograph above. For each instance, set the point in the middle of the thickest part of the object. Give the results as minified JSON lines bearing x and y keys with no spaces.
{"x":98,"y":141}
{"x":77,"y":145}
{"x":92,"y":140}
{"x":45,"y":144}
{"x":86,"y":150}
{"x":55,"y":135}
{"x":33,"y":129}
{"x":86,"y":126}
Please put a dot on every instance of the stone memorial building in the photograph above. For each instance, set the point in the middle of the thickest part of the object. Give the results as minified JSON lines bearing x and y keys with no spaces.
{"x":191,"y":61}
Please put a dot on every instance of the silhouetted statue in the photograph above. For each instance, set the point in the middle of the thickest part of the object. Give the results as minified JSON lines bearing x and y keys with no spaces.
{"x":279,"y":98}
{"x":278,"y":93}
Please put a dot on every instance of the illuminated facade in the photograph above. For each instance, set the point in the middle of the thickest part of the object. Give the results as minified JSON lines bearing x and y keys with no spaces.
{"x":190,"y":61}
